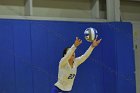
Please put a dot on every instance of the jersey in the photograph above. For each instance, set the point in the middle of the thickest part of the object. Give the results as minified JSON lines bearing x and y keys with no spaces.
{"x":66,"y":73}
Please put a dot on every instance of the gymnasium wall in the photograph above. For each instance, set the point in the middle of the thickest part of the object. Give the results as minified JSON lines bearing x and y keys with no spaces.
{"x":136,"y":34}
{"x":30,"y":52}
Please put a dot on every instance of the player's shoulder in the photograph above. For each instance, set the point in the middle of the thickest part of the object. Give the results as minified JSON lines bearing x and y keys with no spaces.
{"x":61,"y":63}
{"x":77,"y":61}
{"x":62,"y":60}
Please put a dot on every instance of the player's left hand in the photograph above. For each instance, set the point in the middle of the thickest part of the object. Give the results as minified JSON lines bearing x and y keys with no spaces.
{"x":96,"y":42}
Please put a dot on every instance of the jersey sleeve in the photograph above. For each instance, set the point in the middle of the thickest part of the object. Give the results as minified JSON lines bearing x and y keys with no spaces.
{"x":65,"y":59}
{"x":81,"y":59}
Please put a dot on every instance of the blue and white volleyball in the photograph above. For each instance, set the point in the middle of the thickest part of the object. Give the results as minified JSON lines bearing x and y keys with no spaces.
{"x":90,"y":34}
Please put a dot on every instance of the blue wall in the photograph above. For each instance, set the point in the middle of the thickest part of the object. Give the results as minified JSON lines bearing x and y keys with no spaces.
{"x":31,"y":50}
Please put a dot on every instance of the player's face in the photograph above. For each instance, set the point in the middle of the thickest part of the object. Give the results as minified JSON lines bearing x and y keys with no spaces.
{"x":73,"y":56}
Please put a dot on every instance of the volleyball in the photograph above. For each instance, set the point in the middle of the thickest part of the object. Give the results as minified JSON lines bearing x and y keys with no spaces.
{"x":90,"y":34}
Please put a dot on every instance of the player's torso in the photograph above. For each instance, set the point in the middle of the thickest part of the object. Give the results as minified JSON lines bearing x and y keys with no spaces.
{"x":67,"y":72}
{"x":66,"y":76}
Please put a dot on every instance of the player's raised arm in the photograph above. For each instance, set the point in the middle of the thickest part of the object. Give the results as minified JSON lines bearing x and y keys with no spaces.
{"x":82,"y":58}
{"x":70,"y":51}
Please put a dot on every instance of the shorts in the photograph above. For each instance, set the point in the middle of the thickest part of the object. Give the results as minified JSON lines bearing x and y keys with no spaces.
{"x":57,"y":90}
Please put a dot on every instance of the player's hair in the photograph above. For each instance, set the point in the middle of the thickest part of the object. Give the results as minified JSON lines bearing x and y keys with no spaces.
{"x":65,"y":51}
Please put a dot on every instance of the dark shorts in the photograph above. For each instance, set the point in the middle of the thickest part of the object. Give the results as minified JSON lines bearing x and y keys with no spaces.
{"x":57,"y":90}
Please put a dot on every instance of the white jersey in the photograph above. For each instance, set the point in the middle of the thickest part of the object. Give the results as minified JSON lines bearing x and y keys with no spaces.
{"x":66,"y":74}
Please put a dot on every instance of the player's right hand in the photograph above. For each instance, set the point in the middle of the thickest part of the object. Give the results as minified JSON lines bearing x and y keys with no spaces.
{"x":77,"y":42}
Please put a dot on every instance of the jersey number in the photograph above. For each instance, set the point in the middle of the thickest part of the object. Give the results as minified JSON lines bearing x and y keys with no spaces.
{"x":71,"y":76}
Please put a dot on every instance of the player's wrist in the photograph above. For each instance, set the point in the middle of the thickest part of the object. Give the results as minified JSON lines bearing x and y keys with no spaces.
{"x":75,"y":45}
{"x":93,"y":46}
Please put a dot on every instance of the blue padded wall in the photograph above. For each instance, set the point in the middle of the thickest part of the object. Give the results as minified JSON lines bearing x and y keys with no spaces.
{"x":22,"y":49}
{"x":125,"y":58}
{"x":7,"y":58}
{"x":30,"y":52}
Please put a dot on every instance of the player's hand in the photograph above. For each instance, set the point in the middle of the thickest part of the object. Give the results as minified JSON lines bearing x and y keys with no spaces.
{"x":96,"y":42}
{"x":77,"y":42}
